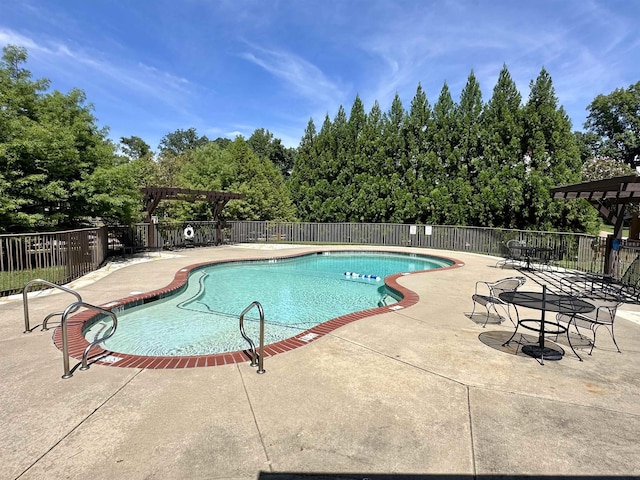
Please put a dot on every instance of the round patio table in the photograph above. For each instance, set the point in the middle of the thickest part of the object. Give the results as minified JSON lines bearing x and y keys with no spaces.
{"x":545,"y":302}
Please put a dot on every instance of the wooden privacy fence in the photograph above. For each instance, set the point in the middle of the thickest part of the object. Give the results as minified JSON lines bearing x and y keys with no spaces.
{"x":58,"y":257}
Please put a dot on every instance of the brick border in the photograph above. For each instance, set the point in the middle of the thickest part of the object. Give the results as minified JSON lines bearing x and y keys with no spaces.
{"x":77,"y":343}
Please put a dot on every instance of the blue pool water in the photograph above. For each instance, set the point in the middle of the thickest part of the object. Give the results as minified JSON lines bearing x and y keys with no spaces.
{"x":296,"y":294}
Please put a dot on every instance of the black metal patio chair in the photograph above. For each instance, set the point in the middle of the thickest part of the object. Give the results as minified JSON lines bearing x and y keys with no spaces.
{"x":602,"y":316}
{"x":512,"y":251}
{"x":487,"y":294}
{"x":626,"y":289}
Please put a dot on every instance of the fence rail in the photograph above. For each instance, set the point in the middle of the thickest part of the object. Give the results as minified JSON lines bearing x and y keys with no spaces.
{"x":61,"y":257}
{"x":58,"y":257}
{"x":570,"y":250}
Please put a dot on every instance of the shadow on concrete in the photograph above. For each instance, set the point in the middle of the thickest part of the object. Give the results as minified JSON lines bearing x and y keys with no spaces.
{"x":496,"y":340}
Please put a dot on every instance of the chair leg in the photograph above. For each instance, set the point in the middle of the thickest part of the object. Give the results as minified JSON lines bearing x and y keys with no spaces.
{"x":474,"y":310}
{"x":511,"y":337}
{"x":610,"y":333}
{"x":517,"y":324}
{"x":613,"y":337}
{"x":509,"y":315}
{"x":569,"y":339}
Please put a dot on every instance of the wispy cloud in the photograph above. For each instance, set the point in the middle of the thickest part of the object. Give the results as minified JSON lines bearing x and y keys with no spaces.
{"x":136,"y":78}
{"x":9,"y":37}
{"x":302,"y":76}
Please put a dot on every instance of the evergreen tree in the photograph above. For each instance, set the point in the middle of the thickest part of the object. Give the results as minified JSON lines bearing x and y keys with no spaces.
{"x":412,"y":184}
{"x":442,"y":162}
{"x":469,"y":117}
{"x":498,"y":190}
{"x":305,"y":173}
{"x":551,"y":156}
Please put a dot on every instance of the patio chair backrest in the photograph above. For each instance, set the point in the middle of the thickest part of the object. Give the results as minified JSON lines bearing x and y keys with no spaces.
{"x":514,"y":247}
{"x":514,"y":242}
{"x":603,"y":314}
{"x":631,"y":276}
{"x":510,"y":284}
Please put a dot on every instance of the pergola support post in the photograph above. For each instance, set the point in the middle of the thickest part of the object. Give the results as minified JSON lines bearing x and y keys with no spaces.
{"x":153,"y":196}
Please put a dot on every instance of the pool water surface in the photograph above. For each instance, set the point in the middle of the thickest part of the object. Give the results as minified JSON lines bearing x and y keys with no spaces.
{"x":297,"y":294}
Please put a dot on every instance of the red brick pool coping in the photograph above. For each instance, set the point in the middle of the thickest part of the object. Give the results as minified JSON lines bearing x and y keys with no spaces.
{"x":77,"y":343}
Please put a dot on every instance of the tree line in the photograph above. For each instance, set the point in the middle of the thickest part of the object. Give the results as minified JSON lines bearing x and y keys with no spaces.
{"x":464,"y":162}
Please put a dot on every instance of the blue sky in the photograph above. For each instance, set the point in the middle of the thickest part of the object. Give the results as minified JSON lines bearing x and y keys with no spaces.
{"x":228,"y":67}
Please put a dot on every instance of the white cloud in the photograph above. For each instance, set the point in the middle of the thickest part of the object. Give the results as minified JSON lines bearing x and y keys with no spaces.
{"x":305,"y":78}
{"x":134,"y":78}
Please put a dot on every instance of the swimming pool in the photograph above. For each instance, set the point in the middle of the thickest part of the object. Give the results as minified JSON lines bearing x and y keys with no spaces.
{"x":303,"y":297}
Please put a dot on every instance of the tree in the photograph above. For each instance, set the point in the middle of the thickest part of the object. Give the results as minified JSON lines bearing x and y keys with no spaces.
{"x":601,"y":168}
{"x":551,"y":156}
{"x":454,"y":163}
{"x":181,"y":141}
{"x":615,"y":118}
{"x":498,"y":186}
{"x":49,"y":145}
{"x":266,"y":146}
{"x":235,"y":168}
{"x":113,"y":194}
{"x":469,"y":127}
{"x":266,"y":196}
{"x":303,"y":174}
{"x":135,"y":148}
{"x":212,"y":168}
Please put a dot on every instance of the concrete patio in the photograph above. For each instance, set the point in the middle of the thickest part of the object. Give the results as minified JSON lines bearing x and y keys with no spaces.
{"x":422,"y":391}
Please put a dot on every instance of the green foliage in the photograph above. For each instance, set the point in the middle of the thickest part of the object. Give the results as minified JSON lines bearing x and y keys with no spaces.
{"x":269,"y":148}
{"x":466,"y":163}
{"x":181,"y":141}
{"x":600,"y":168}
{"x":111,"y":193}
{"x":615,"y":120}
{"x":49,"y":146}
{"x":233,"y":167}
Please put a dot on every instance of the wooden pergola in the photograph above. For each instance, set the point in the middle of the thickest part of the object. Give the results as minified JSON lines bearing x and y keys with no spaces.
{"x":610,"y":197}
{"x":154,"y":195}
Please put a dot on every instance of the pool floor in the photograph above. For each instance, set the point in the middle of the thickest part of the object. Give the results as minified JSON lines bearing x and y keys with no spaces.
{"x":77,"y":342}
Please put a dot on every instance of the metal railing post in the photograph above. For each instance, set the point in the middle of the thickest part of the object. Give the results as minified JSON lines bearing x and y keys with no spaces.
{"x":65,"y":341}
{"x":25,"y":301}
{"x":260,"y":356}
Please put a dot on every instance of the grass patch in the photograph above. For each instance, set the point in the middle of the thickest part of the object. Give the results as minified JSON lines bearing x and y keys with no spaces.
{"x":11,"y":282}
{"x":609,"y":229}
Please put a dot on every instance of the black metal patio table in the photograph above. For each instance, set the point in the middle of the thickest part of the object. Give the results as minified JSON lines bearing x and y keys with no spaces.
{"x":531,"y":253}
{"x":545,"y":302}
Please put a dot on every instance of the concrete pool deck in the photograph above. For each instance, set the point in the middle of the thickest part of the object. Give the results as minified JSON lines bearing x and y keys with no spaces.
{"x":418,"y":391}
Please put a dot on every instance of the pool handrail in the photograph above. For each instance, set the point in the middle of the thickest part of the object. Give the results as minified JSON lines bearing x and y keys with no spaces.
{"x":25,"y":301}
{"x":65,"y":341}
{"x":260,"y":356}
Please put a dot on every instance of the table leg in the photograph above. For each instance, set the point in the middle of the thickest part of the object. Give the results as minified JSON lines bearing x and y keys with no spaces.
{"x":539,"y":350}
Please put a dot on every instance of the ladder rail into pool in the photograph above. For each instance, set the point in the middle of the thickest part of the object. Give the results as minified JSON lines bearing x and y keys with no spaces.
{"x":25,"y":301}
{"x":65,"y":340}
{"x":257,"y":360}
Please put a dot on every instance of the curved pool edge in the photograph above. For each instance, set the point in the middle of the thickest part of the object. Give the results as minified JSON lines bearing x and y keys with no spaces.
{"x":77,"y":342}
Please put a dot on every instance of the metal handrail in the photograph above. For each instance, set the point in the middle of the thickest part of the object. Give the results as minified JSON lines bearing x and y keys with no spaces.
{"x":260,"y":357}
{"x":65,"y":341}
{"x":381,"y":302}
{"x":25,"y":301}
